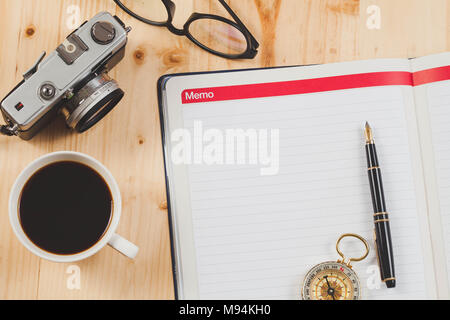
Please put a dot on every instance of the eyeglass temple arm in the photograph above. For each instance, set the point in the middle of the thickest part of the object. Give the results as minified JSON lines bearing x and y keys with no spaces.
{"x":134,"y":15}
{"x":236,"y":18}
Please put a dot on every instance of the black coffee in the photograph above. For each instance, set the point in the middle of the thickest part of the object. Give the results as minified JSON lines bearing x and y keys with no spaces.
{"x":65,"y":207}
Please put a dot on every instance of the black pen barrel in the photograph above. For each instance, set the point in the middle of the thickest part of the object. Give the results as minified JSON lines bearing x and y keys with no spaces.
{"x":381,"y":218}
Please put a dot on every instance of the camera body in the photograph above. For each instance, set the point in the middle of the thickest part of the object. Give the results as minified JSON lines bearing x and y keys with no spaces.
{"x":71,"y":81}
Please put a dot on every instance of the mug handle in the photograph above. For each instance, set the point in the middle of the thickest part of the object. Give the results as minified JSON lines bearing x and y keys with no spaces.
{"x":124,"y":246}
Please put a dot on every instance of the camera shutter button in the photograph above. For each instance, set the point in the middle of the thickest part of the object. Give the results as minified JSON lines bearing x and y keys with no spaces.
{"x":47,"y":91}
{"x":103,"y":32}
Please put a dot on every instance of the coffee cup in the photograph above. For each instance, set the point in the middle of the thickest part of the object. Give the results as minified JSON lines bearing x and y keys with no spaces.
{"x":59,"y":223}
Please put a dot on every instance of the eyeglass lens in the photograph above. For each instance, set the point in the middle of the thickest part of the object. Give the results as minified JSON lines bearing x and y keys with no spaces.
{"x":218,"y":36}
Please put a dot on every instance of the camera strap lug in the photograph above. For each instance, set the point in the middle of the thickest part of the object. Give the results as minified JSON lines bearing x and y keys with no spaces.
{"x":9,"y":130}
{"x":35,"y":67}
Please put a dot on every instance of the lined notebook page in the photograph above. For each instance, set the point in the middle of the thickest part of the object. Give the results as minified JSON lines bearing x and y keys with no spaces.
{"x":439,"y":107}
{"x":257,"y":236}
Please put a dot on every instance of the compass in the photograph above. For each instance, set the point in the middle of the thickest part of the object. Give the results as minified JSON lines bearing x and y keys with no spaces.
{"x":334,"y":280}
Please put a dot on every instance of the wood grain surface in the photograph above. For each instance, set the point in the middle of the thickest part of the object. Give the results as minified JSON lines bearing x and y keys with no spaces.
{"x":128,"y":141}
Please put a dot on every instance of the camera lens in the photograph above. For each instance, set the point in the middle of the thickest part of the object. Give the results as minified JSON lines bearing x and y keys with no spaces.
{"x":92,"y":102}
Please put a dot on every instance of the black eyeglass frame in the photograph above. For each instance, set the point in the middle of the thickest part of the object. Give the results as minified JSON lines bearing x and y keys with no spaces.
{"x":252,"y":44}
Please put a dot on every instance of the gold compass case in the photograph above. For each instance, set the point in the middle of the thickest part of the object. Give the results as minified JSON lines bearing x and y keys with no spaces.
{"x":331,"y":280}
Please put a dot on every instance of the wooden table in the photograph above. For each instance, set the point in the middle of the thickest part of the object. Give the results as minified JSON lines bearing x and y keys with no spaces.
{"x":128,"y":141}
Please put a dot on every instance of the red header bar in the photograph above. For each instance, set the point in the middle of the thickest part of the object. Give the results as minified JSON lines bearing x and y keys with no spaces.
{"x":273,"y":89}
{"x":431,"y":75}
{"x":285,"y":88}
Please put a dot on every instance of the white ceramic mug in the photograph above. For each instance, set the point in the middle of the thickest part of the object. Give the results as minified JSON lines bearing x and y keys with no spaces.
{"x":109,"y":236}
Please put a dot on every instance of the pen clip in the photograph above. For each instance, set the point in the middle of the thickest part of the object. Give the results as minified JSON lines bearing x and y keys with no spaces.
{"x":376,"y":253}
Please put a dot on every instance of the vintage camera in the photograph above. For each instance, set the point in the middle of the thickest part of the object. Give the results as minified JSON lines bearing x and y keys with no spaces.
{"x":71,"y":81}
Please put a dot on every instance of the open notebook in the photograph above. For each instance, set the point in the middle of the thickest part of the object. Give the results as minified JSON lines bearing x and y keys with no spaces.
{"x":252,"y":228}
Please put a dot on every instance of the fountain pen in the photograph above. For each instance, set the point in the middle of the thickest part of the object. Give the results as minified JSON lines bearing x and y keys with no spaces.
{"x":383,"y":241}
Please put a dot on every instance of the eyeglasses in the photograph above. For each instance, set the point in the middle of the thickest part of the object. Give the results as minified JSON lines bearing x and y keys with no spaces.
{"x":215,"y":34}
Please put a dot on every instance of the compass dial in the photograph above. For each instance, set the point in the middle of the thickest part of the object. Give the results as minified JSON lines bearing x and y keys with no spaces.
{"x":331,"y":281}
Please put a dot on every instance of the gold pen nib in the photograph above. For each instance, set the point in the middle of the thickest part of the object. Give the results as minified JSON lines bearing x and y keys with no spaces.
{"x":368,"y":133}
